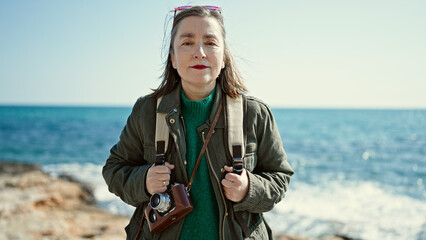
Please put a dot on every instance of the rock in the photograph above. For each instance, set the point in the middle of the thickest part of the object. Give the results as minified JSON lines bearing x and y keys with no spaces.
{"x":86,"y":188}
{"x":17,"y":168}
{"x":35,"y":206}
{"x":282,"y":236}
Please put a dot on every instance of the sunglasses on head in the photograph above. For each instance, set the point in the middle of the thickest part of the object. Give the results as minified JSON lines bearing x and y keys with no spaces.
{"x":211,"y":8}
{"x":183,"y":8}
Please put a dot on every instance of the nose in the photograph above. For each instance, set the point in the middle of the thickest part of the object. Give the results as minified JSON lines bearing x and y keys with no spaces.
{"x":199,"y":52}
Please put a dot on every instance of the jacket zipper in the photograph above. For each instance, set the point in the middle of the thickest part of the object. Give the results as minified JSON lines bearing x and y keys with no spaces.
{"x":178,"y":150}
{"x":183,"y":125}
{"x":220,"y":189}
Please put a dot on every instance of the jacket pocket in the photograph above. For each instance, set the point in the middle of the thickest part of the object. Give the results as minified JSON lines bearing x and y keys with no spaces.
{"x":250,"y":158}
{"x":252,"y":221}
{"x":261,"y":231}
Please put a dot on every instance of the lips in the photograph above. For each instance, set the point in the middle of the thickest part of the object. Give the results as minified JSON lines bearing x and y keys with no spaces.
{"x":199,"y":67}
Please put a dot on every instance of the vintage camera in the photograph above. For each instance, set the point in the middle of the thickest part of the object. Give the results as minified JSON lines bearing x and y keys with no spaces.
{"x":168,"y":207}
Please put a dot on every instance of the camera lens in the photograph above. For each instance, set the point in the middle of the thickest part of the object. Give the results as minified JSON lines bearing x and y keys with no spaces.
{"x":155,"y":200}
{"x":152,"y":217}
{"x":160,"y":202}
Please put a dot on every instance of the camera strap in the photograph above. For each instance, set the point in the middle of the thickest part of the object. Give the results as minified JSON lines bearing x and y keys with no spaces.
{"x":209,"y":134}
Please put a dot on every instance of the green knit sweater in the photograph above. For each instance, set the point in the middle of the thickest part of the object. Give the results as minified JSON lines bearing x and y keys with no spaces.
{"x":203,"y":221}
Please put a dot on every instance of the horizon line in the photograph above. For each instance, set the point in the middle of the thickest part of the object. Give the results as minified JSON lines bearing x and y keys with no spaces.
{"x":307,"y":107}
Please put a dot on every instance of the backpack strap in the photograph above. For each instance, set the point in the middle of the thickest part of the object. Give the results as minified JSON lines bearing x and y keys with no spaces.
{"x":236,"y":109}
{"x":161,"y":136}
{"x":236,"y":130}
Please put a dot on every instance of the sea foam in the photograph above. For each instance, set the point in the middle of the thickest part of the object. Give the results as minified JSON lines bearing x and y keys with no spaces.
{"x":357,"y":209}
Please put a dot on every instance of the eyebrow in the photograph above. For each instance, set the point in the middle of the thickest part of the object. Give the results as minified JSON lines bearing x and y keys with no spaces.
{"x":191,"y":35}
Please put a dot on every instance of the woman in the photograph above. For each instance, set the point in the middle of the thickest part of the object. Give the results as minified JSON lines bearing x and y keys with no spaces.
{"x":199,"y":72}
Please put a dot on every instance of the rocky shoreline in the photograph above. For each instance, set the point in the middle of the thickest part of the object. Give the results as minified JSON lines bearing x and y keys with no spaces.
{"x":34,"y":205}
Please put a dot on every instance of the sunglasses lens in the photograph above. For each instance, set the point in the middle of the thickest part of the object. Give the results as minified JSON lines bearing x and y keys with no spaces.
{"x":182,"y":8}
{"x":212,"y":8}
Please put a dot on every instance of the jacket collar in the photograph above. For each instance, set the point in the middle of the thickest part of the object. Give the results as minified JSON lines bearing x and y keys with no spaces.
{"x":172,"y":103}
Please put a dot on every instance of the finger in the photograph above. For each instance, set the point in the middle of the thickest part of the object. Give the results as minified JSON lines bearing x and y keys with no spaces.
{"x":162,"y":177}
{"x":158,"y":177}
{"x":160,"y":189}
{"x":163,"y":183}
{"x":161,"y":169}
{"x":228,"y":168}
{"x":229,"y":196}
{"x":227,"y":184}
{"x":233,"y":177}
{"x":227,"y":191}
{"x":169,"y":165}
{"x":160,"y":185}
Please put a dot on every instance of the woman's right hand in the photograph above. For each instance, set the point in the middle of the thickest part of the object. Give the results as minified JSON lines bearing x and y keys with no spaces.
{"x":158,"y":177}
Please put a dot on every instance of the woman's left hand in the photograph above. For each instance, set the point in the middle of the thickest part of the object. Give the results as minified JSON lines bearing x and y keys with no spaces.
{"x":235,"y":186}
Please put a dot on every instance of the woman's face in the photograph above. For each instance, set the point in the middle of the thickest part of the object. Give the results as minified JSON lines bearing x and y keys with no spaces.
{"x":198,"y":52}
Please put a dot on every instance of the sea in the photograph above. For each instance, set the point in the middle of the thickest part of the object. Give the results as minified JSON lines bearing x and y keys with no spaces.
{"x":360,"y":173}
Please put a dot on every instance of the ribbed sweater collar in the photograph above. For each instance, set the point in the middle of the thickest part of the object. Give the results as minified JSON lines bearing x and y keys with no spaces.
{"x":197,"y":111}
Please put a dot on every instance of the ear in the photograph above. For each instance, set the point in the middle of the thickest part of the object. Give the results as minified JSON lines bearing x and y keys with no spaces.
{"x":172,"y":57}
{"x":223,"y":63}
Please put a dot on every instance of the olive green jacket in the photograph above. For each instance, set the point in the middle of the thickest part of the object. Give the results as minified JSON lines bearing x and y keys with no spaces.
{"x":265,"y":161}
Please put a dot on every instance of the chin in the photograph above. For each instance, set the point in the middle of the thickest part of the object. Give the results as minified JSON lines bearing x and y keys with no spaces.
{"x":202,"y":82}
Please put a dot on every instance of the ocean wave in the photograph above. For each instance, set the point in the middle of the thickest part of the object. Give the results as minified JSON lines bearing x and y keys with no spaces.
{"x":362,"y":210}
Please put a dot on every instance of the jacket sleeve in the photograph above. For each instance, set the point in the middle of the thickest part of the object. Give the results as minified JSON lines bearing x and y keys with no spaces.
{"x":269,"y":179}
{"x":125,"y":169}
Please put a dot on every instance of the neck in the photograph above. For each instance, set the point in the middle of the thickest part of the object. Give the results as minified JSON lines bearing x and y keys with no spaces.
{"x":197,"y":93}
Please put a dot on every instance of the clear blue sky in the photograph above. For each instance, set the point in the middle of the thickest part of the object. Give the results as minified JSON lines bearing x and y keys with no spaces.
{"x":309,"y":53}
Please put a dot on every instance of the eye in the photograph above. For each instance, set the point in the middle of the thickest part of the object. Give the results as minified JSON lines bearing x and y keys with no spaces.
{"x":212,"y":43}
{"x":186,"y":43}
